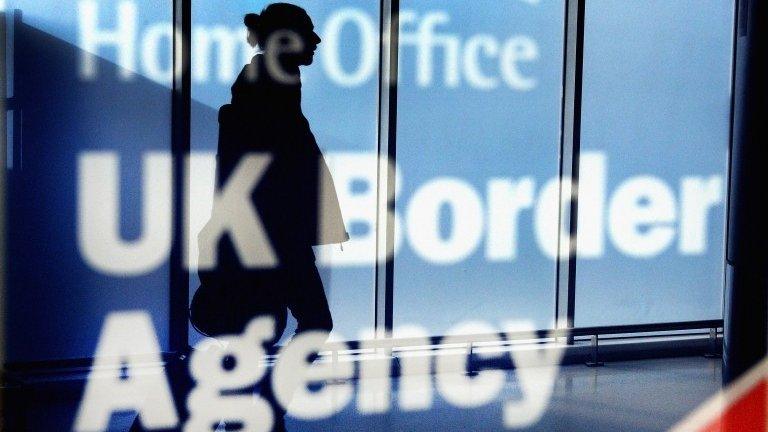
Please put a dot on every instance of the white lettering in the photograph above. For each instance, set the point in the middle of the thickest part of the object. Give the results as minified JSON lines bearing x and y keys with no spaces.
{"x":423,"y":221}
{"x":518,"y":49}
{"x":233,"y":212}
{"x":490,"y":47}
{"x":293,"y":374}
{"x":206,"y":403}
{"x":122,"y":38}
{"x":127,"y":345}
{"x":332,"y":49}
{"x":698,"y":197}
{"x":641,"y":213}
{"x":453,"y":382}
{"x":505,"y":202}
{"x":98,"y":215}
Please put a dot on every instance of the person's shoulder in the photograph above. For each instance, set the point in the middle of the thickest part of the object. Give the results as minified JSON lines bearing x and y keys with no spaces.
{"x":251,"y":71}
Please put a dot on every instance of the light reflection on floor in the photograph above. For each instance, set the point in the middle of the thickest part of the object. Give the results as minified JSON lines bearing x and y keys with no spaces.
{"x":646,"y":395}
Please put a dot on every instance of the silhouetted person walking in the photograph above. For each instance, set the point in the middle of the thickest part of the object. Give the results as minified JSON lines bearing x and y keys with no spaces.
{"x":295,"y":199}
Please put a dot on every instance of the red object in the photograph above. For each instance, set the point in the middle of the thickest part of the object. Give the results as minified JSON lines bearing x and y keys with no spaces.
{"x":739,"y":408}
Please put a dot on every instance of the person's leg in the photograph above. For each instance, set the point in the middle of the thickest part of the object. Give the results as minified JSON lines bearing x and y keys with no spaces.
{"x":273,"y":282}
{"x":307,"y":300}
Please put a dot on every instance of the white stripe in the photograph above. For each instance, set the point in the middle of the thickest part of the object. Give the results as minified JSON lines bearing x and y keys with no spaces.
{"x":717,"y":404}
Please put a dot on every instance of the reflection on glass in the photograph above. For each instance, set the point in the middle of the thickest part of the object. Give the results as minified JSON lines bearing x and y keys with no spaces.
{"x":477,"y":148}
{"x":83,"y":100}
{"x":654,"y":142}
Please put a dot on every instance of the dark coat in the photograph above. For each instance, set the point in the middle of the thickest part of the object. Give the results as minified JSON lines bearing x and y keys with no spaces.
{"x":296,"y":201}
{"x":296,"y":198}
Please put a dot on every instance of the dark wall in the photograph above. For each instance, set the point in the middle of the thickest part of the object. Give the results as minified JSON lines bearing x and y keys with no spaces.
{"x":56,"y":302}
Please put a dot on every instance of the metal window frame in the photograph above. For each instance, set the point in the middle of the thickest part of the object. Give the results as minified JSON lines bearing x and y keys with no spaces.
{"x":181,"y":123}
{"x":3,"y":181}
{"x":570,"y":157}
{"x":738,"y":28}
{"x":387,"y":158}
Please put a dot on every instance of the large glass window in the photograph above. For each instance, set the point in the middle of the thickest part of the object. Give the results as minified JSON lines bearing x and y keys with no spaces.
{"x":654,"y":143}
{"x":478,"y":132}
{"x":479,"y":106}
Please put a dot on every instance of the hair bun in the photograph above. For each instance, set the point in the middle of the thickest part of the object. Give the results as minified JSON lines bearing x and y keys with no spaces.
{"x":252,"y":21}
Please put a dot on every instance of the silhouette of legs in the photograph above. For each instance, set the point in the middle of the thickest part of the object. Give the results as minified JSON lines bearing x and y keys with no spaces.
{"x":307,"y":301}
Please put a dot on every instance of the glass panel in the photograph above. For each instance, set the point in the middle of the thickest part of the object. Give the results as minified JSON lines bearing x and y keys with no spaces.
{"x":87,"y":101}
{"x":478,"y":142}
{"x":654,"y":149}
{"x":340,"y":101}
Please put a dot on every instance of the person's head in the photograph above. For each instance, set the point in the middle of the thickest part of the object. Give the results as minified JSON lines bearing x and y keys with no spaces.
{"x":285,"y":29}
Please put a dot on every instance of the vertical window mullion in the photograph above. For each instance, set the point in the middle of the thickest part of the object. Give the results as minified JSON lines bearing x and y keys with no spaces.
{"x":4,"y":172}
{"x":180,"y":148}
{"x":570,"y":147}
{"x":387,"y":156}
